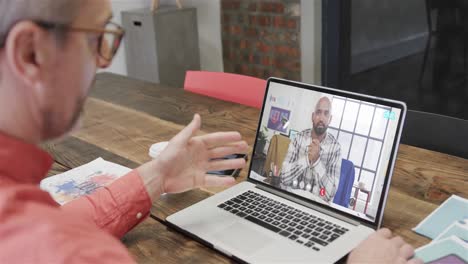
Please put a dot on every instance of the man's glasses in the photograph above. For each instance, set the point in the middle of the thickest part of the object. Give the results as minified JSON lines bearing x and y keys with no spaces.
{"x":109,"y":39}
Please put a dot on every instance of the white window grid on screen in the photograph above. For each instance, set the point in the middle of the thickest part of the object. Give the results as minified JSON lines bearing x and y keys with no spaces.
{"x":337,"y":127}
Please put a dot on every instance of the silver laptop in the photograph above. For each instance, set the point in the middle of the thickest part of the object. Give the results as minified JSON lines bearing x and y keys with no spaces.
{"x":318,"y":180}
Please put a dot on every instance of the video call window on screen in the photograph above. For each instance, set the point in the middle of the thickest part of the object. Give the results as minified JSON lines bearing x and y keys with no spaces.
{"x":353,"y":154}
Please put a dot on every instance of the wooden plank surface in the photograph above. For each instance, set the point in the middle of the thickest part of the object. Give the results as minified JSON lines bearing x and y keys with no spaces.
{"x":57,"y":169}
{"x":176,"y":105}
{"x":124,"y":117}
{"x":153,"y":242}
{"x":429,"y":175}
{"x":73,"y":152}
{"x":404,"y":212}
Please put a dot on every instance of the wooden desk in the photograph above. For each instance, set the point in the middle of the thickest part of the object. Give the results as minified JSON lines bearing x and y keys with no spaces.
{"x":124,"y":117}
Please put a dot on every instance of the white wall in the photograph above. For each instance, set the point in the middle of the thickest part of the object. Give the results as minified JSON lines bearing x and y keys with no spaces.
{"x":311,"y":41}
{"x":209,"y":28}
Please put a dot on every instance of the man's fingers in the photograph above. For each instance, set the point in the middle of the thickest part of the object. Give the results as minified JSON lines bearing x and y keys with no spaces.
{"x":240,"y":147}
{"x":189,"y":131}
{"x":218,"y":181}
{"x":398,"y":241}
{"x":221,"y":138}
{"x":406,"y":251}
{"x":385,"y":232}
{"x":228,"y":164}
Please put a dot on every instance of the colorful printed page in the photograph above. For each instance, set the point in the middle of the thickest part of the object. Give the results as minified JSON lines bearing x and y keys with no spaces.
{"x":453,"y":209}
{"x":82,"y":180}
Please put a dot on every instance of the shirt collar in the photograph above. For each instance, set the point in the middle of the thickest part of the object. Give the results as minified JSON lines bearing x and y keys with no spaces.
{"x":21,"y":162}
{"x":326,"y":139}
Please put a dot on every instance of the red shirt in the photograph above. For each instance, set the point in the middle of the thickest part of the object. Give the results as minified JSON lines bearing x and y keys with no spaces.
{"x":35,"y":229}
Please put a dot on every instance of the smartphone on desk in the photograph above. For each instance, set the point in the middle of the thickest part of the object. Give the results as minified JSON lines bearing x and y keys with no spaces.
{"x":233,"y":173}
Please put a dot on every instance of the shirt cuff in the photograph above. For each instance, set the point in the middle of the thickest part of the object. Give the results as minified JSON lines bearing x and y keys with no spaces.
{"x":115,"y":208}
{"x":121,"y":205}
{"x":131,"y":197}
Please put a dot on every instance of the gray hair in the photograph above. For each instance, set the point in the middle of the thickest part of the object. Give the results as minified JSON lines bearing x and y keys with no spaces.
{"x":61,"y":12}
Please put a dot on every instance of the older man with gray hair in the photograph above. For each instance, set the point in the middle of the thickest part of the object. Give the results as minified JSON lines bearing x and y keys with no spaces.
{"x":49,"y":53}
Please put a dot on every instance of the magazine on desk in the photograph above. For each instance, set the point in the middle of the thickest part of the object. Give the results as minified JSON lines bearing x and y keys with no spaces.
{"x":448,"y":227}
{"x":82,"y":180}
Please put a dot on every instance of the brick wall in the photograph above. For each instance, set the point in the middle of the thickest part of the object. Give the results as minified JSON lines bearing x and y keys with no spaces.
{"x":261,"y":38}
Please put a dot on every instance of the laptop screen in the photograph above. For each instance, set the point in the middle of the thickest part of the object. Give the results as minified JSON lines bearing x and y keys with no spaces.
{"x":326,"y":146}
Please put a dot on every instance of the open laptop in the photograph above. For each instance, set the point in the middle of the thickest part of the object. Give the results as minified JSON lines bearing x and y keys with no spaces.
{"x":295,"y":207}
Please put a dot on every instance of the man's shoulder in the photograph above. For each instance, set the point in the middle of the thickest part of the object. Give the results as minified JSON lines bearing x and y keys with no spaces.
{"x":29,"y":210}
{"x":332,"y":142}
{"x":33,"y":225}
{"x":332,"y":138}
{"x":51,"y":235}
{"x":34,"y":213}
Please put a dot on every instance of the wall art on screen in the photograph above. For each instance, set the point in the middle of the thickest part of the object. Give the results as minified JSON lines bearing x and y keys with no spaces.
{"x":279,"y":119}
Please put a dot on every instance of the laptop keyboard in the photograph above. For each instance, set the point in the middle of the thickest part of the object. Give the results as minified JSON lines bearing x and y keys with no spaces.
{"x":301,"y":227}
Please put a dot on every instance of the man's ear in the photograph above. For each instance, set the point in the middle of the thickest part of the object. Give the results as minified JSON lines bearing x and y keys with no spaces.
{"x":25,"y":48}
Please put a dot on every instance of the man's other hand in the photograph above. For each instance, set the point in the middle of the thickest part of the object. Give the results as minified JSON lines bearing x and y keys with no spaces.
{"x":314,"y":151}
{"x":381,"y":247}
{"x":184,"y":163}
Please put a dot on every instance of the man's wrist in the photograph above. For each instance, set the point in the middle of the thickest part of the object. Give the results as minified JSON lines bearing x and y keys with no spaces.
{"x":153,"y":182}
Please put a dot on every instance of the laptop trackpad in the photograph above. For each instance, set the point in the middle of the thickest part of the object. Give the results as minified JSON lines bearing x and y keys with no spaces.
{"x":243,"y":237}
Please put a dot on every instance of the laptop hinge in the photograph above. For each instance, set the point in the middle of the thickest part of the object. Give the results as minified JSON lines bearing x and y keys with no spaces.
{"x":306,"y":204}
